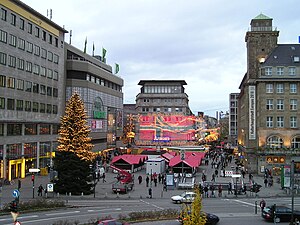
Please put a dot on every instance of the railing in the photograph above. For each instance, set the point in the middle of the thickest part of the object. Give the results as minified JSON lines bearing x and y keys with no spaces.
{"x":279,"y":151}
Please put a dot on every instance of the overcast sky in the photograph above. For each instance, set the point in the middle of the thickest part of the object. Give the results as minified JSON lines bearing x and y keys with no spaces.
{"x":199,"y":41}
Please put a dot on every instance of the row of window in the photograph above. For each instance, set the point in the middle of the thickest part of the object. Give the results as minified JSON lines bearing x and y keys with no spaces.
{"x":293,"y":104}
{"x":34,"y":30}
{"x":280,"y":88}
{"x":28,"y":47}
{"x":16,"y":129}
{"x":168,"y":110}
{"x":28,"y":106}
{"x":103,"y":82}
{"x":280,"y":71}
{"x":280,"y":122}
{"x":162,"y":100}
{"x":162,"y":89}
{"x":28,"y":86}
{"x":277,"y":142}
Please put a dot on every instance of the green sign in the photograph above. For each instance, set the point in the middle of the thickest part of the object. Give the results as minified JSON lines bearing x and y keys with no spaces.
{"x":99,"y":115}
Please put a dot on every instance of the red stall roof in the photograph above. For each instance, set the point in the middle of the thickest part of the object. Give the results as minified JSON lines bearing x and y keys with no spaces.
{"x":130,"y":159}
{"x":192,"y":159}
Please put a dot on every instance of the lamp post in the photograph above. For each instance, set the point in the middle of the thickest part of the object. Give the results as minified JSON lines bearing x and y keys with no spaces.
{"x":292,"y":187}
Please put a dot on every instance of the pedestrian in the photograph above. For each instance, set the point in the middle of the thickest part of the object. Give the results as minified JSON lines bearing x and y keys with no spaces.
{"x":297,"y":222}
{"x":213,"y":178}
{"x":266,"y":182}
{"x":216,"y":173}
{"x":46,"y":193}
{"x":220,"y":190}
{"x":103,"y":177}
{"x":159,"y":178}
{"x":230,"y":188}
{"x":250,"y":177}
{"x":147,"y":181}
{"x":40,"y":190}
{"x":212,"y":189}
{"x":262,"y":205}
{"x":150,"y":192}
{"x":140,"y":179}
{"x":155,"y":181}
{"x":206,"y":191}
{"x":243,"y":173}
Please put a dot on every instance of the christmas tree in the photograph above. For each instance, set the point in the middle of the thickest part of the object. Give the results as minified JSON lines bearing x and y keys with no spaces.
{"x":74,"y":156}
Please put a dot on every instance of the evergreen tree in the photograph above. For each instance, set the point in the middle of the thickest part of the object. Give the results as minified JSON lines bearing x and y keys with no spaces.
{"x":74,"y":155}
{"x":193,"y":213}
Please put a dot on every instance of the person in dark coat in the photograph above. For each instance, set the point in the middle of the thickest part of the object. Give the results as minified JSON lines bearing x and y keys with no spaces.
{"x":147,"y":181}
{"x":40,"y":190}
{"x":140,"y":178}
{"x":150,"y":192}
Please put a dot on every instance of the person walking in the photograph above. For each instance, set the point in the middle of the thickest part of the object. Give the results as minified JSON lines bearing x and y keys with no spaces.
{"x":40,"y":190}
{"x":266,"y":182}
{"x":140,"y":178}
{"x":230,"y":188}
{"x":262,"y":205}
{"x":103,"y":177}
{"x":155,"y":181}
{"x":147,"y":181}
{"x":220,"y":190}
{"x":206,"y":191}
{"x":150,"y":192}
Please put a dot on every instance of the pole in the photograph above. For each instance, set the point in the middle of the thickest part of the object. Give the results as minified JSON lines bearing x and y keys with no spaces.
{"x":94,"y":185}
{"x":292,"y":187}
{"x":236,"y":190}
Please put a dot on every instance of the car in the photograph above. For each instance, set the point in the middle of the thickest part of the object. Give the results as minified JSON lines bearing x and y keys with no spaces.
{"x":185,"y":197}
{"x":282,"y":213}
{"x":211,"y":219}
{"x":111,"y":222}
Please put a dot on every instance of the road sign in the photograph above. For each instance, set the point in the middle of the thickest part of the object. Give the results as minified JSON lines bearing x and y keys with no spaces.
{"x":228,"y":173}
{"x":182,"y":154}
{"x":17,"y":223}
{"x":50,"y":187}
{"x":16,"y":193}
{"x":34,"y":170}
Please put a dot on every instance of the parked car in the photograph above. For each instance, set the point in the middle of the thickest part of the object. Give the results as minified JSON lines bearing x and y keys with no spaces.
{"x":185,"y":197}
{"x":211,"y":219}
{"x":282,"y":213}
{"x":111,"y":222}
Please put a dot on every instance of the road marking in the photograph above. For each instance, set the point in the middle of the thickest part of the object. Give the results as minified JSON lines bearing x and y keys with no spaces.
{"x":228,"y":215}
{"x":101,"y":210}
{"x":246,"y":203}
{"x":62,"y":213}
{"x":155,"y":206}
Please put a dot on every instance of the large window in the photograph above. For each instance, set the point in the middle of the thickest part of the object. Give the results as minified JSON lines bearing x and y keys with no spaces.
{"x":20,"y":106}
{"x":3,"y":14}
{"x":268,"y":71}
{"x":21,"y":44}
{"x":279,"y":71}
{"x":14,"y":129}
{"x":280,"y":121}
{"x":45,"y":147}
{"x":21,"y":63}
{"x":3,"y":58}
{"x":12,"y":61}
{"x":28,"y":106}
{"x":30,"y":149}
{"x":280,"y":104}
{"x":28,"y":86}
{"x":280,"y":88}
{"x":2,"y":81}
{"x":293,"y":88}
{"x":10,"y":82}
{"x":296,"y":142}
{"x":293,"y":122}
{"x":293,"y":104}
{"x":10,"y":104}
{"x":35,"y":107}
{"x":2,"y":103}
{"x":269,"y":104}
{"x":269,"y":122}
{"x":20,"y":84}
{"x":14,"y":150}
{"x":274,"y":142}
{"x":292,"y":71}
{"x":12,"y":40}
{"x":31,"y":129}
{"x":45,"y":129}
{"x":3,"y":36}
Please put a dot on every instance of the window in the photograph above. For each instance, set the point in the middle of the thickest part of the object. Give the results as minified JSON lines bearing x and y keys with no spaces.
{"x":44,"y":53}
{"x":55,"y":75}
{"x":44,"y":35}
{"x":3,"y":36}
{"x":20,"y":106}
{"x":13,"y":19}
{"x":293,"y":122}
{"x":279,"y":122}
{"x":30,"y":129}
{"x":14,"y":129}
{"x":2,"y":103}
{"x":50,"y":56}
{"x":12,"y":40}
{"x":45,"y":129}
{"x":20,"y":64}
{"x":37,"y":32}
{"x":293,"y":88}
{"x":54,"y":109}
{"x":292,"y":71}
{"x":2,"y":58}
{"x":36,"y":69}
{"x":56,"y":42}
{"x":49,"y":108}
{"x":36,"y":50}
{"x":268,"y":71}
{"x":20,"y":84}
{"x":3,"y":14}
{"x":22,"y":24}
{"x":2,"y":81}
{"x":49,"y":73}
{"x":296,"y":142}
{"x":49,"y":91}
{"x":10,"y":104}
{"x":29,"y":28}
{"x":55,"y":58}
{"x":35,"y":107}
{"x":269,"y":104}
{"x":280,"y":105}
{"x":42,"y":89}
{"x":293,"y":104}
{"x":279,"y":71}
{"x":28,"y":106}
{"x":42,"y":108}
{"x":279,"y":88}
{"x":43,"y":71}
{"x":35,"y":88}
{"x":55,"y":92}
{"x":10,"y":82}
{"x":29,"y":47}
{"x":274,"y":142}
{"x":28,"y":66}
{"x":12,"y":61}
{"x":50,"y":39}
{"x":269,"y":121}
{"x":21,"y":44}
{"x":28,"y":86}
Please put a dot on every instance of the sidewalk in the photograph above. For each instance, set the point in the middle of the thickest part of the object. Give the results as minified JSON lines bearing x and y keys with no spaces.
{"x":104,"y":191}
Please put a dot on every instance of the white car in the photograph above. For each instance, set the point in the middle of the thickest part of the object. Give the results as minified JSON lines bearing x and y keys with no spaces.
{"x":185,"y":197}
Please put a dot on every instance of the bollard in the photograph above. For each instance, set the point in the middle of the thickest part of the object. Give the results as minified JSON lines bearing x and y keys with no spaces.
{"x":70,"y":194}
{"x":57,"y":194}
{"x":255,"y":208}
{"x":81,"y":193}
{"x":105,"y":194}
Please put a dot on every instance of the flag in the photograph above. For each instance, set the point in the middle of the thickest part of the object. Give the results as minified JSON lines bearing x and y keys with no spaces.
{"x":93,"y":48}
{"x":117,"y":68}
{"x":84,"y":51}
{"x":103,"y":54}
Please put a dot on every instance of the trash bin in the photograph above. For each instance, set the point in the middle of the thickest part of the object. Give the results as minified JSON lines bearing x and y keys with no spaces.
{"x":44,"y":171}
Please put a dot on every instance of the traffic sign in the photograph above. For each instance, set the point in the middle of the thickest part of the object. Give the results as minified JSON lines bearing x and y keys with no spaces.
{"x":34,"y":170}
{"x":17,"y":223}
{"x":16,"y":193}
{"x":50,"y":187}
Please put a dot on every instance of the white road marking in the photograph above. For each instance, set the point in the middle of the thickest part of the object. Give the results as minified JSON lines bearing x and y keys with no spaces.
{"x":62,"y":213}
{"x":101,"y":210}
{"x":155,"y":206}
{"x":246,"y":203}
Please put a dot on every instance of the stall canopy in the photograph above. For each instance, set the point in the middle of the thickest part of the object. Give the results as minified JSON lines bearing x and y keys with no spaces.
{"x":129,"y":162}
{"x":192,"y":159}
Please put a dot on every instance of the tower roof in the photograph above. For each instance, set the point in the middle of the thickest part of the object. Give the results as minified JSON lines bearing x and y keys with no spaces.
{"x":262,"y":17}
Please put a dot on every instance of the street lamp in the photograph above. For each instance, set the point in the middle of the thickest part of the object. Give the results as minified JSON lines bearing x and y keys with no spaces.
{"x":237,"y":176}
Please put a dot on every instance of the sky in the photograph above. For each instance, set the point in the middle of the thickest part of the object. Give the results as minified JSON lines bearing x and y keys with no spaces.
{"x":201,"y":42}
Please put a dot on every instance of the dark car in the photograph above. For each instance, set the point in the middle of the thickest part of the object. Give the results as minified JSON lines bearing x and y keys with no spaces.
{"x":282,"y":213}
{"x":111,"y":222}
{"x":211,"y":219}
